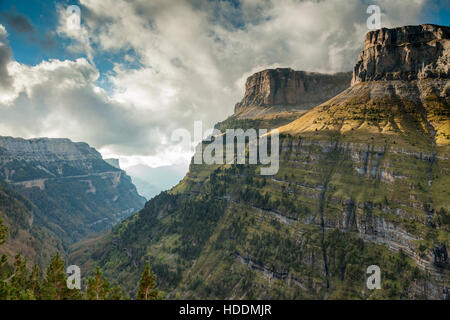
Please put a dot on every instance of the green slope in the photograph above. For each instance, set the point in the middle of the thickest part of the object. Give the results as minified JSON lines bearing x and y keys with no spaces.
{"x":25,"y":235}
{"x":338,"y":204}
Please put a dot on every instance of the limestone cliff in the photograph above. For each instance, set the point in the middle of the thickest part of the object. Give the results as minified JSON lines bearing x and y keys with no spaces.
{"x":363,"y":180}
{"x":284,"y":87}
{"x":113,"y":162}
{"x":406,"y":53}
{"x":74,"y":190}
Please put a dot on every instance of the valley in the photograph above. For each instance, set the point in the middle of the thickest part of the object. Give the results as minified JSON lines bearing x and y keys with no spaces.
{"x":363,"y":180}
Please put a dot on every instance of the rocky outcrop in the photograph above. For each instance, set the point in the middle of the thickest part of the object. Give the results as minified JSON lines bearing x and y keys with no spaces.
{"x":406,"y":53}
{"x":113,"y":162}
{"x":291,"y":89}
{"x":45,"y":149}
{"x":360,"y":183}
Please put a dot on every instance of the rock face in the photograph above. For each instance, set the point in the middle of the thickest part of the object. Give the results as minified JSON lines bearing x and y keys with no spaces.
{"x":291,"y":89}
{"x":113,"y":162}
{"x":406,"y":53}
{"x":45,"y":149}
{"x":363,"y":181}
{"x":74,"y":190}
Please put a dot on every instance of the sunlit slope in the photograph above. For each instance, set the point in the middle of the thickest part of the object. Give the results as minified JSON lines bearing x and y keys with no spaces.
{"x":364,"y":180}
{"x":342,"y":200}
{"x":406,"y":114}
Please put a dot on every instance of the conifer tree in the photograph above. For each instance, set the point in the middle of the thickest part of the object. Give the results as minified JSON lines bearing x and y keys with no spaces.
{"x":17,"y":283}
{"x":98,"y":287}
{"x":19,"y":280}
{"x":34,"y":282}
{"x":147,"y":285}
{"x":116,"y":292}
{"x":55,"y":284}
{"x":3,"y":232}
{"x":4,"y":287}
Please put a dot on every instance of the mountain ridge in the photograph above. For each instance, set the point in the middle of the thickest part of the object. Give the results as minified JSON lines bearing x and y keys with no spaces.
{"x":74,"y":190}
{"x":363,"y":181}
{"x":283,"y":89}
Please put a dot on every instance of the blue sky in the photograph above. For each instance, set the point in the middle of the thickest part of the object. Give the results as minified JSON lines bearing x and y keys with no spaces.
{"x":30,"y":47}
{"x":43,"y":17}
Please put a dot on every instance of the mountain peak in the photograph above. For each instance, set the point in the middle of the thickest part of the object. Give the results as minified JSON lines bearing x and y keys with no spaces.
{"x":113,"y":162}
{"x":293,"y":90}
{"x":45,"y":149}
{"x":405,"y":53}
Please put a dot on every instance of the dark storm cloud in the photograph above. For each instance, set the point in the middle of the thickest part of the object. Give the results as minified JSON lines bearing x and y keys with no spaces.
{"x":17,"y":22}
{"x":21,"y":24}
{"x":5,"y":58}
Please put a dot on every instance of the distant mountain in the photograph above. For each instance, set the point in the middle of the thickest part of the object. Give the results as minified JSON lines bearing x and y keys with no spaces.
{"x":363,"y":180}
{"x":74,"y":191}
{"x":151,"y":181}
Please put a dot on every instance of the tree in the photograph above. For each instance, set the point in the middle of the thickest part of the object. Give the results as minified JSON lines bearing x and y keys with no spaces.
{"x":19,"y":281}
{"x":34,"y":282}
{"x":3,"y":232}
{"x":55,"y":284}
{"x":147,"y":285}
{"x":98,"y":287}
{"x":4,"y":286}
{"x":116,"y":292}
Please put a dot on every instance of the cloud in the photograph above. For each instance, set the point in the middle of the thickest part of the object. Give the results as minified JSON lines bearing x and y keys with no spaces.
{"x":17,"y":22}
{"x":21,"y":24}
{"x":5,"y":58}
{"x":175,"y":62}
{"x":81,"y":42}
{"x":59,"y":98}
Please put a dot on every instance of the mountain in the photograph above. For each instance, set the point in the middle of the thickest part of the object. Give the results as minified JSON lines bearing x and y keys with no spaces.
{"x":151,"y":181}
{"x":274,"y":90}
{"x":74,"y":191}
{"x":25,"y":235}
{"x":113,"y":162}
{"x":363,"y":180}
{"x":274,"y":97}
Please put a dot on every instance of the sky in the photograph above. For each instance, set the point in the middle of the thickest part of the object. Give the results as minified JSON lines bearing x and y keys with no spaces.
{"x":135,"y":71}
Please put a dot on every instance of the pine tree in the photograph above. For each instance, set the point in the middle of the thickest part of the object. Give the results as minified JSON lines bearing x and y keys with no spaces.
{"x":3,"y":232}
{"x":55,"y":284}
{"x":4,"y":286}
{"x":147,"y":285}
{"x":17,"y":283}
{"x":19,"y":280}
{"x":98,"y":287}
{"x":116,"y":292}
{"x":34,"y":282}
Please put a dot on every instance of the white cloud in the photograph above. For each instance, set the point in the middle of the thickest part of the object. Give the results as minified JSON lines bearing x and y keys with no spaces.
{"x":75,"y":31}
{"x":190,"y":59}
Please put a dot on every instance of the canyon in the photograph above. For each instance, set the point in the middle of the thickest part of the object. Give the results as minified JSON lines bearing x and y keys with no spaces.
{"x":363,"y":180}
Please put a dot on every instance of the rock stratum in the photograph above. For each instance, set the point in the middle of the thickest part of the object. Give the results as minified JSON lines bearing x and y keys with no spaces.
{"x":291,"y":90}
{"x":73,"y":191}
{"x":406,"y":53}
{"x":363,"y":180}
